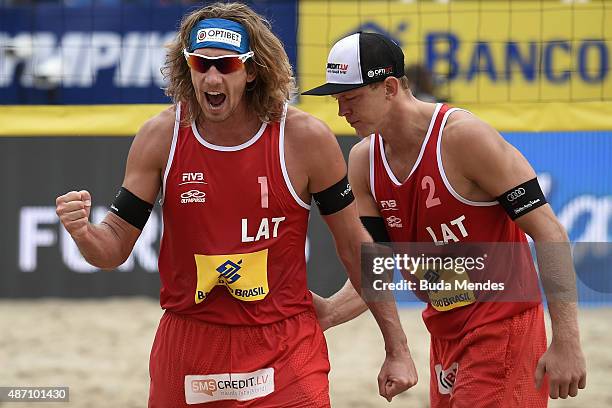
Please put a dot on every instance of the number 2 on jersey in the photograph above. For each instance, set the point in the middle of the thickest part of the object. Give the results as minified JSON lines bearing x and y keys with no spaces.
{"x":428,"y":182}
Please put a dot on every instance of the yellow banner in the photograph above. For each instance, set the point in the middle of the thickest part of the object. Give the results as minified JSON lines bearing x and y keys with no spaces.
{"x":490,"y":52}
{"x":75,"y":120}
{"x":125,"y":120}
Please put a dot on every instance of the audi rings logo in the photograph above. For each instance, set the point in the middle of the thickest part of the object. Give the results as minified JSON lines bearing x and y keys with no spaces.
{"x":513,"y":195}
{"x":193,"y":196}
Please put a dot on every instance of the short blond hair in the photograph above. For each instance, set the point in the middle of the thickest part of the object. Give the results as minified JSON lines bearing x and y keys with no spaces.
{"x":274,"y":82}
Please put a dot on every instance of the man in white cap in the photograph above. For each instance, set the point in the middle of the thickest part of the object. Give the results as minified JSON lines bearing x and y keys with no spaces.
{"x":429,"y":173}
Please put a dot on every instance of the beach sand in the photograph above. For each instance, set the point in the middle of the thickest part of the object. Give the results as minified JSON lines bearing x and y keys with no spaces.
{"x":100,"y":349}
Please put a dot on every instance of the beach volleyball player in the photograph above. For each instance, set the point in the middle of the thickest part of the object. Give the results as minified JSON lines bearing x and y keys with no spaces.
{"x":429,"y":172}
{"x":236,"y":169}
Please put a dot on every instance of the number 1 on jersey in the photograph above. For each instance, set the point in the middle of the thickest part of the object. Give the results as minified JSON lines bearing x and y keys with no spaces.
{"x":263,"y":184}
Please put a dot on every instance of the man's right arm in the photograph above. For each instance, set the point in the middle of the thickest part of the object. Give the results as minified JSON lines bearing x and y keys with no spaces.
{"x":108,"y":244}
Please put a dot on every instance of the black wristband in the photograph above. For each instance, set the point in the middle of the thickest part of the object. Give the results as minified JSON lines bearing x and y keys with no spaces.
{"x":131,"y":208}
{"x":376,"y":228}
{"x":522,"y":199}
{"x":334,"y":198}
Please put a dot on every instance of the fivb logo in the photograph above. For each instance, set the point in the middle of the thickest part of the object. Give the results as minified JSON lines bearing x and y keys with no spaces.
{"x":388,"y":205}
{"x":219,"y":35}
{"x":229,"y":270}
{"x":192,"y":178}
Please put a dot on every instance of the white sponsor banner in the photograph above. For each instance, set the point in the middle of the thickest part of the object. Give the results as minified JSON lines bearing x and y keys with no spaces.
{"x":236,"y":386}
{"x":219,"y":35}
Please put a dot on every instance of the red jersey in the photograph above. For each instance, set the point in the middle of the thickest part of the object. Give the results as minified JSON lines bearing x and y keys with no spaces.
{"x":234,"y":230}
{"x":426,"y":208}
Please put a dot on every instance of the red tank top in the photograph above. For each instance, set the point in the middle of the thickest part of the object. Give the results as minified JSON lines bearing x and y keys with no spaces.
{"x":425,"y":208}
{"x":234,"y":230}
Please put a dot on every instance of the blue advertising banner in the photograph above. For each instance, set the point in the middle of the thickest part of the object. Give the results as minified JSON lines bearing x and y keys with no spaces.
{"x":575,"y":171}
{"x":53,"y":54}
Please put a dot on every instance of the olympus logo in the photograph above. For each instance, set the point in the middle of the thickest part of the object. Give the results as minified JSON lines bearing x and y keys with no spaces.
{"x":394,"y":222}
{"x":513,"y":195}
{"x":193,"y":196}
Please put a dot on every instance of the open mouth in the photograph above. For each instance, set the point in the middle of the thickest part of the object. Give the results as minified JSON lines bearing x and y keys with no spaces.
{"x":215,"y":99}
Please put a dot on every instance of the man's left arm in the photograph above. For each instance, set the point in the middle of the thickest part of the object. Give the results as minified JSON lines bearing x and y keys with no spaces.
{"x":497,"y":167}
{"x":327,"y":174}
{"x":564,"y":361}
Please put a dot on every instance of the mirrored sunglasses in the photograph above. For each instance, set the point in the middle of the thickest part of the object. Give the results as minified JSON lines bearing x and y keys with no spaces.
{"x":226,"y":64}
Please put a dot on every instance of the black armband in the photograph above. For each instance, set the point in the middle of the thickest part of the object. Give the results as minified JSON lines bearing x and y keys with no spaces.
{"x":131,"y":208}
{"x":522,"y":199}
{"x":334,"y":198}
{"x":376,"y":227}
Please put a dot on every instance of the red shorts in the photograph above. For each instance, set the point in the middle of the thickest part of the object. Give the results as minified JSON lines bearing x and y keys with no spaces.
{"x":491,"y":366}
{"x":283,"y":364}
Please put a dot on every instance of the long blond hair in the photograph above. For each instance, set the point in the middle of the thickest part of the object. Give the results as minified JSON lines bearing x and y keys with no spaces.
{"x":274,"y":82}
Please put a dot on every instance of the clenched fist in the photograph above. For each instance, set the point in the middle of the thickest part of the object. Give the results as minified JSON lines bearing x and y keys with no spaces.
{"x":73,"y":210}
{"x":397,"y":374}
